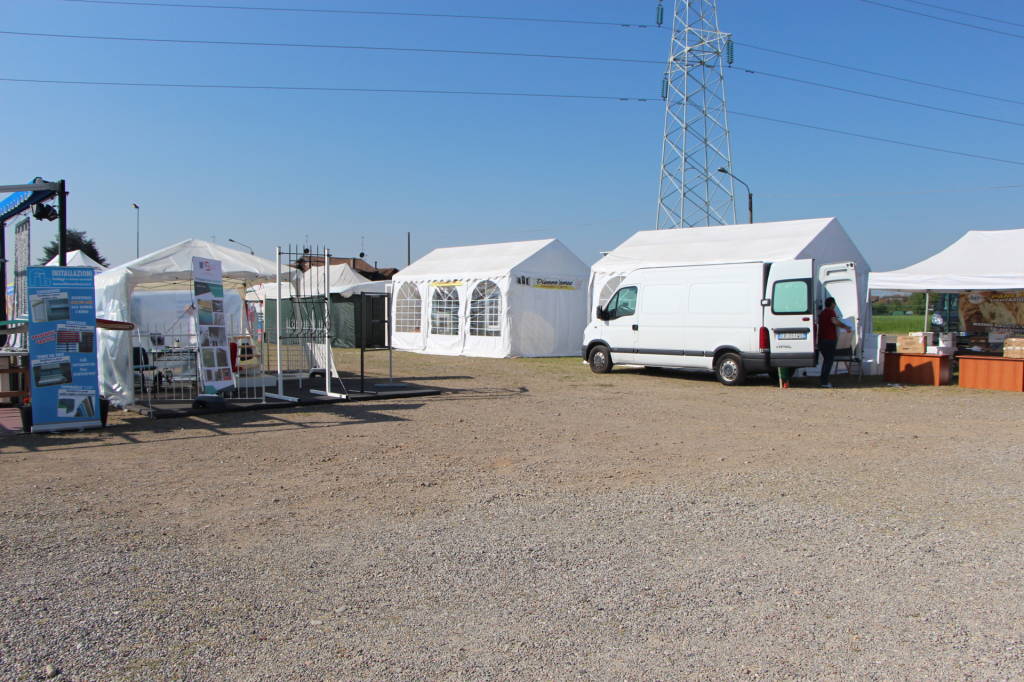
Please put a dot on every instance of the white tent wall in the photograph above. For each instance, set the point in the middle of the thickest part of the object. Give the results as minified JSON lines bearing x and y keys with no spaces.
{"x":534,"y":320}
{"x":166,"y":269}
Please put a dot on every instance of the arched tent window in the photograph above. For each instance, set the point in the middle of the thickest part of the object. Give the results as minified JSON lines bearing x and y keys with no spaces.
{"x":609,"y":288}
{"x":408,"y":308}
{"x":485,"y":310}
{"x":444,"y":311}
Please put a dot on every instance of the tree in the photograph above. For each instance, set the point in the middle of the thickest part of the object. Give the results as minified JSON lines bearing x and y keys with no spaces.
{"x":76,"y":241}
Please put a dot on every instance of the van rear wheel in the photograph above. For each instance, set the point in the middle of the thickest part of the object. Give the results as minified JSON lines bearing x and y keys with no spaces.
{"x":729,"y":370}
{"x":600,"y":360}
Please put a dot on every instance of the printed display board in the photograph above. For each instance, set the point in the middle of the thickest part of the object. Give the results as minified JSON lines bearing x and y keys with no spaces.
{"x":62,"y":348}
{"x":997,"y":314}
{"x":208,"y":294}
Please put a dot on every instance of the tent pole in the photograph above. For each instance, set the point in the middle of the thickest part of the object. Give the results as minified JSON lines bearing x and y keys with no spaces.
{"x":927,"y":318}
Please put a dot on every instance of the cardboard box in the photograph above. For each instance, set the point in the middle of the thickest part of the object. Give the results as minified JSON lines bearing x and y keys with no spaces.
{"x":927,"y":337}
{"x":1013,"y":348}
{"x":939,"y":350}
{"x":910,"y":344}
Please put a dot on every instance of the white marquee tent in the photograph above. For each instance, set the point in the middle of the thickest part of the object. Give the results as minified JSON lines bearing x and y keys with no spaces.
{"x":167,"y":269}
{"x":978,"y":261}
{"x":822,"y":239}
{"x":76,"y":259}
{"x":344,"y":280}
{"x":492,"y":300}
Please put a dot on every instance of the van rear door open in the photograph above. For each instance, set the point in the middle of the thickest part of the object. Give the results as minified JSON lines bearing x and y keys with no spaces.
{"x":789,"y":313}
{"x":839,"y":280}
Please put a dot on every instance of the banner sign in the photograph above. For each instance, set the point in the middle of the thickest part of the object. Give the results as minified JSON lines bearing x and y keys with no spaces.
{"x":62,"y":348}
{"x":208,"y":295}
{"x":997,"y":314}
{"x":22,"y":251}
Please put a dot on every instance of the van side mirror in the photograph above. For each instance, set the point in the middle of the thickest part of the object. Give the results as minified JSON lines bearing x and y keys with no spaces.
{"x":601,"y":313}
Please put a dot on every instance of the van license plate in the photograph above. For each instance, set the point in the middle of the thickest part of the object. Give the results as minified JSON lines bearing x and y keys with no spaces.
{"x":791,"y":336}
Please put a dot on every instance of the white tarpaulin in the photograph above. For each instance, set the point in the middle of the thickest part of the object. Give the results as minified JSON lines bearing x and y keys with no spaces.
{"x":492,"y":300}
{"x":979,"y":261}
{"x":76,"y":259}
{"x":167,"y":269}
{"x":822,"y":239}
{"x":344,"y":281}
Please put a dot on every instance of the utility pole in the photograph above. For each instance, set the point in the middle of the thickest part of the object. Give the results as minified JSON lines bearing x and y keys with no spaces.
{"x":696,"y":140}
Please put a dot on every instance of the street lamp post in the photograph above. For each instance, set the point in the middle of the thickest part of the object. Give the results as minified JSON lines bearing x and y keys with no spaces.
{"x":750,"y":195}
{"x":235,"y":241}
{"x":136,"y":207}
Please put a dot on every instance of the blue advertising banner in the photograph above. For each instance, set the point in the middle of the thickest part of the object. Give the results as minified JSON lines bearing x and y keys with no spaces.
{"x":62,"y":348}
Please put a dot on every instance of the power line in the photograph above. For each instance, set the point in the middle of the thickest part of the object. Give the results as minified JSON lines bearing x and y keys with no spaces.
{"x":605,"y":98}
{"x":882,"y":97}
{"x":893,"y":194}
{"x":314,"y":10}
{"x":948,"y":21}
{"x":332,"y":46}
{"x":878,"y":73}
{"x":966,"y":14}
{"x":237,"y":43}
{"x":301,"y":88}
{"x":877,"y":139}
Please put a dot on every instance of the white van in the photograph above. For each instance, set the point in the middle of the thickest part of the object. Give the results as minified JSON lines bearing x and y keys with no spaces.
{"x":732,"y":319}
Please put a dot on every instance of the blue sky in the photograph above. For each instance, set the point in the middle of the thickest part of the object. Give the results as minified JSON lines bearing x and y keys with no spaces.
{"x":357,"y":171}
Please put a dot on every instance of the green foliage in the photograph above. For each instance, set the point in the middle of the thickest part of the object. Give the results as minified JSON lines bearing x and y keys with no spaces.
{"x":897,"y":324}
{"x":76,"y":241}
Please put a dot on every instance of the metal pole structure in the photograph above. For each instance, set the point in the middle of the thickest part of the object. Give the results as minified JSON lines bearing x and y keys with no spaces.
{"x":3,"y":273}
{"x":750,"y":195}
{"x":927,"y":317}
{"x":235,"y":241}
{"x":137,"y":239}
{"x":696,"y":138}
{"x":362,"y":342}
{"x":62,"y":235}
{"x":408,"y":248}
{"x":327,"y":322}
{"x":277,"y":326}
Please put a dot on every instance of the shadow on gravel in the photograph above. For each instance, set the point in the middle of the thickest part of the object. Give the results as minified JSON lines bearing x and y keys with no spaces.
{"x":209,"y":426}
{"x":838,"y":381}
{"x":480,"y":393}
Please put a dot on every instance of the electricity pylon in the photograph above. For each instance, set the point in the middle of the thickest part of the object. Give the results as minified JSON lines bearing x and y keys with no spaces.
{"x":696,"y":143}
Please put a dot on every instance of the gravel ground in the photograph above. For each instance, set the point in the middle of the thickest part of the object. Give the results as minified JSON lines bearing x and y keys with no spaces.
{"x":534,"y":521}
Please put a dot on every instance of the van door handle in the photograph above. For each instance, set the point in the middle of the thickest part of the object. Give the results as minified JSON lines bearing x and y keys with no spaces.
{"x":635,"y":327}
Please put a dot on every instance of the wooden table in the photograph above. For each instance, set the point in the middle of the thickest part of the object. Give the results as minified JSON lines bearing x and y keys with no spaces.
{"x":927,"y":369}
{"x":992,"y":372}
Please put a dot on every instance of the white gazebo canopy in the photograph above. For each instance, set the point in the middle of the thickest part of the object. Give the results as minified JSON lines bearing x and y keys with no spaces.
{"x":166,"y":269}
{"x":981,"y":260}
{"x":76,"y":259}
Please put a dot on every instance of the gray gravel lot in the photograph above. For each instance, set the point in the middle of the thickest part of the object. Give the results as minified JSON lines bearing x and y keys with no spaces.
{"x":535,"y":521}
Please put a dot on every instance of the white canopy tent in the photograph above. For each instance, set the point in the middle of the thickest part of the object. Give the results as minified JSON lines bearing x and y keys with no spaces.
{"x":822,"y":239}
{"x":979,"y":261}
{"x":492,"y":300}
{"x":167,"y":269}
{"x":76,"y":259}
{"x":344,"y":281}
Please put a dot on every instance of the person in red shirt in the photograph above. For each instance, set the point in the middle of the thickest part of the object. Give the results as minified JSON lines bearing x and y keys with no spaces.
{"x":827,"y":338}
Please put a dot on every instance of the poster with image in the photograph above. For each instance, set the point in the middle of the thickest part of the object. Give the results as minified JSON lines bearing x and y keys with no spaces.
{"x":208,"y":295}
{"x":62,"y":348}
{"x":996,"y":314}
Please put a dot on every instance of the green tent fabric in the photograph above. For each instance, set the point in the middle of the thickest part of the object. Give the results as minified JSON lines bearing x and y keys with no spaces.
{"x":300,"y":320}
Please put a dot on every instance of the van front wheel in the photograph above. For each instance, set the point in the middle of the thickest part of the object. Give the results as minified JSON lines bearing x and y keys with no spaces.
{"x":729,"y":370}
{"x":600,"y":360}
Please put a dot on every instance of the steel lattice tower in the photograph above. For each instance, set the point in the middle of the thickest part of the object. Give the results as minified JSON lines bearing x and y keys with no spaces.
{"x":696,"y":143}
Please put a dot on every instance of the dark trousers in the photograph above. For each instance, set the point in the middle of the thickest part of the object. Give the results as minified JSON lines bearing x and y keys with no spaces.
{"x":828,"y":354}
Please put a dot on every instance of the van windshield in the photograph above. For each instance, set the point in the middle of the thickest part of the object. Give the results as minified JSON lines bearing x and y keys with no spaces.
{"x":623,"y":303}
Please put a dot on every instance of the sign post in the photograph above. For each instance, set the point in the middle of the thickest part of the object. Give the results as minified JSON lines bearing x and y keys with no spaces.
{"x":62,"y":349}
